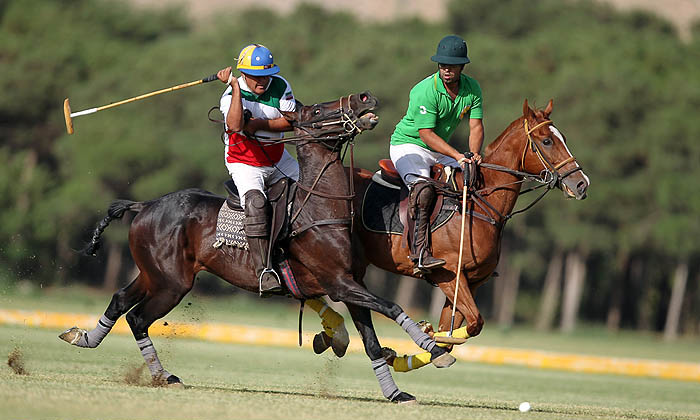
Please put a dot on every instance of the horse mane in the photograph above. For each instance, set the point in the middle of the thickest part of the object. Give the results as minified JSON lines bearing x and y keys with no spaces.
{"x":493,"y":147}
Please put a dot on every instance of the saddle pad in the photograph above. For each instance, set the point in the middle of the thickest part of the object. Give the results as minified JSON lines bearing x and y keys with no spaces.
{"x":380,"y":210}
{"x":229,"y":228}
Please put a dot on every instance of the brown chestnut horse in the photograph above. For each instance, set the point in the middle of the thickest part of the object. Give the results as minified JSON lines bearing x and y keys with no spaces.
{"x":531,"y":147}
{"x":171,"y":241}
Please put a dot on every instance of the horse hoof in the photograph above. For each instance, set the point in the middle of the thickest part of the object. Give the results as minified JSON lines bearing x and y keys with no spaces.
{"x":174,"y":382}
{"x":404,"y":398}
{"x":426,"y":327}
{"x":340,"y":340}
{"x":320,"y":343}
{"x":444,"y":360}
{"x":389,"y":355}
{"x":72,"y":335}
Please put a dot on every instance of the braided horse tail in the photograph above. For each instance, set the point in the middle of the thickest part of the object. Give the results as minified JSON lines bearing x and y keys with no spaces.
{"x":115,"y":211}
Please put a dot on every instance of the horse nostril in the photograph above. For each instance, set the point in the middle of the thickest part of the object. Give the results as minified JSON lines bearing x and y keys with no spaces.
{"x":363,"y":97}
{"x":581,"y":187}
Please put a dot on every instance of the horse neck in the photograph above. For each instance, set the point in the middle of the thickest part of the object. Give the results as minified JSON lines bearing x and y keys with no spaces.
{"x":501,"y":189}
{"x":313,"y":157}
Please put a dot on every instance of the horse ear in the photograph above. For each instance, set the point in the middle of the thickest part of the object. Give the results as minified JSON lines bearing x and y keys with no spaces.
{"x":548,"y":110}
{"x":526,"y":109}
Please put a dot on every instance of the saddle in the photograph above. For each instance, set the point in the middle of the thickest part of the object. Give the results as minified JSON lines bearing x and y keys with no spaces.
{"x":280,"y":195}
{"x":441,"y":173}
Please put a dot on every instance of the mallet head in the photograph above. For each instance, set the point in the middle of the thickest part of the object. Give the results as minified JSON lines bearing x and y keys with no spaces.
{"x":66,"y":114}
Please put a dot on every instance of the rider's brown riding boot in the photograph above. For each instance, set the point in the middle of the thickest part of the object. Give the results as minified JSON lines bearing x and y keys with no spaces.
{"x":256,"y":226}
{"x":422,"y":200}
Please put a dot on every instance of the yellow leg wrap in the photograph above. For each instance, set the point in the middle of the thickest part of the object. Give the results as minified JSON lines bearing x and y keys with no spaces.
{"x":407,"y":363}
{"x":330,"y":319}
{"x":458,"y":333}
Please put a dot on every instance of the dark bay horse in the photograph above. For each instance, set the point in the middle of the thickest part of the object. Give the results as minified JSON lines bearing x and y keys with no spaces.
{"x":171,"y":241}
{"x":531,"y":145}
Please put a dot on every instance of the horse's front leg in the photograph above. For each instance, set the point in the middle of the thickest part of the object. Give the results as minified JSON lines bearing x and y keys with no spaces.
{"x":362,"y":318}
{"x":466,"y":306}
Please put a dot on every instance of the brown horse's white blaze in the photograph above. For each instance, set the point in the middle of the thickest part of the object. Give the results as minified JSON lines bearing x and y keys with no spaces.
{"x":579,"y":190}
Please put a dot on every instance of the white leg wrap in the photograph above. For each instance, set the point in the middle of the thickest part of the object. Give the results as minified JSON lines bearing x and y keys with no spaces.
{"x":151,"y":357}
{"x":419,"y":337}
{"x":386,"y":382}
{"x":94,"y":337}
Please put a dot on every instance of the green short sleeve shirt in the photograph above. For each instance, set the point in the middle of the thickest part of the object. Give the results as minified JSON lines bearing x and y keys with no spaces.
{"x":430,"y":106}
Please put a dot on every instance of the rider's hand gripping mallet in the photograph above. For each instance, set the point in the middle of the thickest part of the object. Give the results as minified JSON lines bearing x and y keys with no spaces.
{"x":69,"y":115}
{"x":467,"y":155}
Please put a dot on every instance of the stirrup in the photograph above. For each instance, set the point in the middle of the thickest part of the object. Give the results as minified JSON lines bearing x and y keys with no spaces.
{"x":277,"y":277}
{"x":420,"y":269}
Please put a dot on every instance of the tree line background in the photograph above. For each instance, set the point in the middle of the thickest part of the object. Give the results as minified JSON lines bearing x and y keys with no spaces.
{"x":626,"y":91}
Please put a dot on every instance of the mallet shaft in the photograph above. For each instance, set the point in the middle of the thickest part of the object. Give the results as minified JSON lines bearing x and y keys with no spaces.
{"x":138,"y":98}
{"x":465,"y":184}
{"x":69,"y":115}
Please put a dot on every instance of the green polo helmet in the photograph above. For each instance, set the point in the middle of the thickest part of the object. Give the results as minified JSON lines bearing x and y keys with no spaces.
{"x":451,"y":50}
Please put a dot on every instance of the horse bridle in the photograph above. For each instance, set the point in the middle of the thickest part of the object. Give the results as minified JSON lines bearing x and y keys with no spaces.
{"x":551,"y":171}
{"x":350,"y":130}
{"x":549,"y":177}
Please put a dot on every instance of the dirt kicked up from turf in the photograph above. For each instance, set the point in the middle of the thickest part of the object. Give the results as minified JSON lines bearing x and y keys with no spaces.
{"x":15,"y":361}
{"x":134,"y":375}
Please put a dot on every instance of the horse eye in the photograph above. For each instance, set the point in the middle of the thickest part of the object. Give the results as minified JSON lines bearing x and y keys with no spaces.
{"x":547,"y":141}
{"x":317,"y":111}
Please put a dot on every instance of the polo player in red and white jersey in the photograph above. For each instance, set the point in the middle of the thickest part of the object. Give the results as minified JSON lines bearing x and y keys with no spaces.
{"x":252,"y":105}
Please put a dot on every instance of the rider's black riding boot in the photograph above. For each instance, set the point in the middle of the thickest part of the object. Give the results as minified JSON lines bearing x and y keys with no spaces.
{"x":422,"y":200}
{"x":257,"y":231}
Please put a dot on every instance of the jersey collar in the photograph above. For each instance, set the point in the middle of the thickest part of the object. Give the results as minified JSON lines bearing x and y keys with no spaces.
{"x":440,"y":87}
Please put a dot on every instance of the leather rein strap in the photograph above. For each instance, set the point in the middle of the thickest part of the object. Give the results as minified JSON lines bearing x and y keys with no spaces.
{"x":350,"y":131}
{"x":549,"y":177}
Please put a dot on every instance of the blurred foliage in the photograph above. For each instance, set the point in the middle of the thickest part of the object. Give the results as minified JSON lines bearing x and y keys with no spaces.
{"x":625,"y":90}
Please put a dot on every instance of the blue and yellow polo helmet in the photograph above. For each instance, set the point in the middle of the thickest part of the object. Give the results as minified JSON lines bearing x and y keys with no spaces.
{"x":256,"y":60}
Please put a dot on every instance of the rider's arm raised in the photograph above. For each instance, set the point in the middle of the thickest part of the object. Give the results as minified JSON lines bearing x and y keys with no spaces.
{"x":234,"y":116}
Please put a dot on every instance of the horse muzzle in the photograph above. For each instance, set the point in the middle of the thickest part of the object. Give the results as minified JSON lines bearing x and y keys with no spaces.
{"x":575,"y":187}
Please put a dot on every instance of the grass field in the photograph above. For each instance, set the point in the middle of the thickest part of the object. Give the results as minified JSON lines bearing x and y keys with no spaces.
{"x":233,"y":381}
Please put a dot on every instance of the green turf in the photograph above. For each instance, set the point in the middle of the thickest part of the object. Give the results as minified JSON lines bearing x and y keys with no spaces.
{"x":231,"y":381}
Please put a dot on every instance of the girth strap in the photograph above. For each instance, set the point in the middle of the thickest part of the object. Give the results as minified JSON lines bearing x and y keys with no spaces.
{"x":297,"y":232}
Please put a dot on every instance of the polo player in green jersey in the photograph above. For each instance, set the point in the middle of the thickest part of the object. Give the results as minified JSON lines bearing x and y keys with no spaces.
{"x":437,"y":105}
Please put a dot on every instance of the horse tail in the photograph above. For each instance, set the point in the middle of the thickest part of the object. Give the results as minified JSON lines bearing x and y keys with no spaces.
{"x":115,"y":211}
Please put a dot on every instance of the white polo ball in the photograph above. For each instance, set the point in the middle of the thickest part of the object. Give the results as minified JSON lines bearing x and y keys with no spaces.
{"x":524,"y":407}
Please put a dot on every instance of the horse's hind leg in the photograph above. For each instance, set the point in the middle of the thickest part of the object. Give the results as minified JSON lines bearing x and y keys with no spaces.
{"x":123,"y":300}
{"x":334,"y":333}
{"x":155,"y":306}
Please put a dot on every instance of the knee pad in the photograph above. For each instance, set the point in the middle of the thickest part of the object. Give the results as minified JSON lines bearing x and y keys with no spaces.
{"x":257,"y":214}
{"x":422,"y":196}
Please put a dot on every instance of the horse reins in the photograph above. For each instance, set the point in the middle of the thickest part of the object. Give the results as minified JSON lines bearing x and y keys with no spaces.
{"x":549,"y":177}
{"x":350,"y":131}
